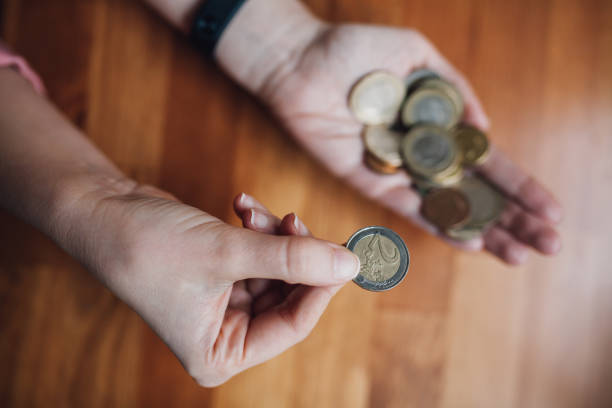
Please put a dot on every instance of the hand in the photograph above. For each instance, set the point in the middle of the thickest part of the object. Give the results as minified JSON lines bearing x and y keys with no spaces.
{"x":222,"y":298}
{"x":310,"y":98}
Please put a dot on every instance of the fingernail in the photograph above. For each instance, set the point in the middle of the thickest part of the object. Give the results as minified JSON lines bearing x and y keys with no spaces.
{"x":259,"y":220}
{"x":296,"y":222}
{"x":549,"y":244}
{"x":486,"y":122}
{"x":555,"y":214}
{"x":518,"y":256}
{"x":475,"y":244}
{"x":245,"y":199}
{"x":346,"y":264}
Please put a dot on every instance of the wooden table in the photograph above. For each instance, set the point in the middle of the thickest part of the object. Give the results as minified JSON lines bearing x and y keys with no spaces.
{"x":463,"y":330}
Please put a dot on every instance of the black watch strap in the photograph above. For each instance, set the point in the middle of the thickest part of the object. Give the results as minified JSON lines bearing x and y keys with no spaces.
{"x":210,"y":20}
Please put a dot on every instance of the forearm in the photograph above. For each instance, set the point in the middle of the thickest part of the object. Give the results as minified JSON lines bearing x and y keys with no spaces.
{"x":261,"y":42}
{"x":46,"y":164}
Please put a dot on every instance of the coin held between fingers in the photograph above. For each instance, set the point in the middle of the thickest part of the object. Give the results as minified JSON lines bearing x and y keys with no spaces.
{"x":383,"y":256}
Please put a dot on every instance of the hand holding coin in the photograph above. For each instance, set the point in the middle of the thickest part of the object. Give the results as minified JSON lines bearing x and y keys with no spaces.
{"x":312,"y":100}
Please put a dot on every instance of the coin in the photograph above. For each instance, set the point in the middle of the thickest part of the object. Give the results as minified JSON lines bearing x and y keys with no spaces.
{"x":414,"y":78}
{"x":383,"y":255}
{"x":473,"y":144}
{"x":446,"y":208}
{"x":422,"y":184}
{"x":383,"y":144}
{"x":486,"y":204}
{"x":464,"y":233}
{"x":380,"y":167}
{"x":449,"y":89}
{"x":434,"y":101}
{"x":429,"y":151}
{"x":449,"y":179}
{"x":377,"y":97}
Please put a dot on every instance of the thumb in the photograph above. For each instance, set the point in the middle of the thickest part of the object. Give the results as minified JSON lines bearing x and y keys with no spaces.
{"x":293,"y":259}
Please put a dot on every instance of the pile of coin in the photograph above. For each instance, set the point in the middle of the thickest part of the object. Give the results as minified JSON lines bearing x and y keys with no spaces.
{"x":414,"y":124}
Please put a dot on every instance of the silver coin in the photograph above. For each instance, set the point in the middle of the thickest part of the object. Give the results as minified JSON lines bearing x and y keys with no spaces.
{"x":434,"y":109}
{"x":383,"y":255}
{"x":428,"y":150}
{"x":413,"y":79}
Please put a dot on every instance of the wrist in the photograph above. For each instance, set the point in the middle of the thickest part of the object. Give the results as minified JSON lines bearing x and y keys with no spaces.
{"x":79,"y":221}
{"x":265,"y":40}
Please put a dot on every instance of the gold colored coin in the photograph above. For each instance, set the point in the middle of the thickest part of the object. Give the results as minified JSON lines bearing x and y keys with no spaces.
{"x":464,"y":233}
{"x":446,"y":208}
{"x":424,"y":184}
{"x":378,"y":166}
{"x":473,"y":144}
{"x":384,"y":145}
{"x":434,"y":101}
{"x":377,"y":97}
{"x":486,"y":204}
{"x":451,"y":178}
{"x":429,"y":151}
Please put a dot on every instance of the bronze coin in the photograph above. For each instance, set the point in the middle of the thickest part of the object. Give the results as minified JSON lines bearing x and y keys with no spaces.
{"x":446,"y":208}
{"x":473,"y":144}
{"x":378,"y":166}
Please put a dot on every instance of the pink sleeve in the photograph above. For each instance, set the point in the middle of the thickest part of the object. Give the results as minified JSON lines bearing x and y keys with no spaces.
{"x":7,"y":59}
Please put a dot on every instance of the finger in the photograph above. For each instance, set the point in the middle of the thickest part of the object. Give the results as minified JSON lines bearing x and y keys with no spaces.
{"x":247,"y":254}
{"x":276,"y":330}
{"x":530,"y":230}
{"x":260,"y":221}
{"x":292,"y":225}
{"x":502,"y":244}
{"x":240,"y":298}
{"x":515,"y":183}
{"x":244,"y":202}
{"x":257,"y":287}
{"x":474,"y":112}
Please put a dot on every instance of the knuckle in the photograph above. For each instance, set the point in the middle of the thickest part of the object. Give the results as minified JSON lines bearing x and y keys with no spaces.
{"x":209,"y":375}
{"x":299,"y":255}
{"x":207,"y":381}
{"x":294,"y":259}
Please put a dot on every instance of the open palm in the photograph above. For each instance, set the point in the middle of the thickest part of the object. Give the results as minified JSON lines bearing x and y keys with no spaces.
{"x":311,"y":101}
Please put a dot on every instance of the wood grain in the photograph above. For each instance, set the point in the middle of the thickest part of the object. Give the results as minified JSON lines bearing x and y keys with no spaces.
{"x":463,"y":330}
